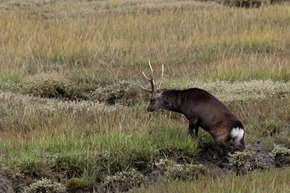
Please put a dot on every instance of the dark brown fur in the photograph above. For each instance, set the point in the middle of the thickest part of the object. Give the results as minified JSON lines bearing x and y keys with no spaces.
{"x":202,"y":110}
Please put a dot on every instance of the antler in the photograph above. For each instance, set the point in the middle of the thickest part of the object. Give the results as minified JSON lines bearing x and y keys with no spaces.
{"x":162,"y":73}
{"x":151,"y":79}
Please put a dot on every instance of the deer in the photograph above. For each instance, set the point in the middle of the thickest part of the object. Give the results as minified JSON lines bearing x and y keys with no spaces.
{"x":201,"y":109}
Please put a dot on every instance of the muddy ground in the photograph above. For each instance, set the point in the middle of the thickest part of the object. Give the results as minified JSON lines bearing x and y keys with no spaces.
{"x":210,"y":162}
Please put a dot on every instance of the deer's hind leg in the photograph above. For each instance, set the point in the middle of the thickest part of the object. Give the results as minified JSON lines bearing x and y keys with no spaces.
{"x":222,"y":138}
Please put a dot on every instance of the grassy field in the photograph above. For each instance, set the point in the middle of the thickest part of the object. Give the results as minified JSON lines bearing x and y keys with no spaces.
{"x":72,"y":114}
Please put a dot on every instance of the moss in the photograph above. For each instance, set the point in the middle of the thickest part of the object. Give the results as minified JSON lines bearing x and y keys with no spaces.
{"x":79,"y":183}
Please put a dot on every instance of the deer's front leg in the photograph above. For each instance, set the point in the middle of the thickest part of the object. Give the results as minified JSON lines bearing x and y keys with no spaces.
{"x":193,"y":125}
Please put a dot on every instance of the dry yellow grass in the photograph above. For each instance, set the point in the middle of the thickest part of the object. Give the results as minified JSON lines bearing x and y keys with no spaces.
{"x":207,"y":39}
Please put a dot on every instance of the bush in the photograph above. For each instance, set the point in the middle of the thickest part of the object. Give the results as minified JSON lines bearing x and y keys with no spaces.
{"x":123,"y":181}
{"x":174,"y":171}
{"x":279,"y":150}
{"x":122,"y":92}
{"x":45,"y":186}
{"x":244,"y":162}
{"x":49,"y":87}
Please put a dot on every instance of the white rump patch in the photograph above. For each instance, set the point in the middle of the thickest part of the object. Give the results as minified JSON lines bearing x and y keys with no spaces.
{"x":237,"y":134}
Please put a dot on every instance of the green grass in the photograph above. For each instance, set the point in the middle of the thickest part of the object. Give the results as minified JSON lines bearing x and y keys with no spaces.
{"x":95,"y":156}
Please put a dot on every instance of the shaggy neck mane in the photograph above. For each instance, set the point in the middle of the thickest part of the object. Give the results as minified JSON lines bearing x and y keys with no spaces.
{"x":172,"y":101}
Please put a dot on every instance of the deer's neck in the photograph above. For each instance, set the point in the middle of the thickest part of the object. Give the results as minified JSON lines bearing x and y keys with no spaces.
{"x":173,"y":101}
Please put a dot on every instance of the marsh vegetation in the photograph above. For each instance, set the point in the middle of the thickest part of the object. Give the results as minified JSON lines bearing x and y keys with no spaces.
{"x":72,"y":116}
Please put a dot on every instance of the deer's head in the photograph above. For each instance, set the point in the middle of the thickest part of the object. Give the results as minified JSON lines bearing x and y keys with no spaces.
{"x":156,"y":98}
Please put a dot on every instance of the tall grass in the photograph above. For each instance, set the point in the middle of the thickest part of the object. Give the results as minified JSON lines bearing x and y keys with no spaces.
{"x":207,"y":40}
{"x":96,"y":155}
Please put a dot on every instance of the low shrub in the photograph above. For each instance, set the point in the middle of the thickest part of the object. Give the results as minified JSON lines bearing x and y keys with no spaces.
{"x":123,"y":92}
{"x":244,"y":162}
{"x":174,"y":171}
{"x":45,"y":186}
{"x":48,"y":86}
{"x":123,"y":181}
{"x":279,"y":150}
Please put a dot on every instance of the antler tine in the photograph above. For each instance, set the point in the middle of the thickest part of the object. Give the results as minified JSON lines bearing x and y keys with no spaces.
{"x":162,"y":76}
{"x":152,"y":74}
{"x":146,"y":76}
{"x":149,"y":63}
{"x":151,"y":80}
{"x":146,"y":90}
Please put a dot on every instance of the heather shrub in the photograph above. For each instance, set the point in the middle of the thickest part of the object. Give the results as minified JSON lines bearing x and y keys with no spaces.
{"x":244,"y":162}
{"x":45,"y":186}
{"x":123,"y":92}
{"x":123,"y":180}
{"x":48,"y":86}
{"x":174,"y":171}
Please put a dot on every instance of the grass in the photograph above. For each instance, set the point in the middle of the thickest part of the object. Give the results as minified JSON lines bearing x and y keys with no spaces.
{"x":43,"y":137}
{"x":92,"y":154}
{"x":206,"y":39}
{"x":257,"y":182}
{"x":55,"y":55}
